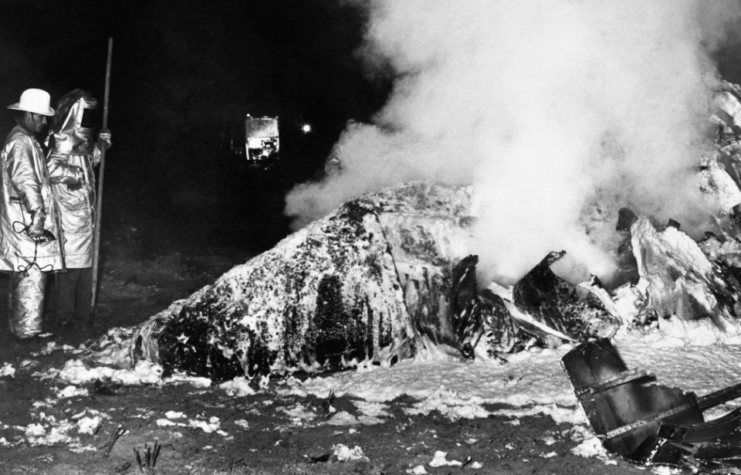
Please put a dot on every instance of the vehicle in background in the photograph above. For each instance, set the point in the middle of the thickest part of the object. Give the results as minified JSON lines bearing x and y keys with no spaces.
{"x":261,"y":144}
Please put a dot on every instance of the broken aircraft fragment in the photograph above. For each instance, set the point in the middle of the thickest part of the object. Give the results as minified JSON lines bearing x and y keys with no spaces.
{"x":720,"y":169}
{"x":681,"y":284}
{"x":577,"y":312}
{"x":324,"y":294}
{"x":480,"y":315}
{"x":339,"y":292}
{"x":647,"y":422}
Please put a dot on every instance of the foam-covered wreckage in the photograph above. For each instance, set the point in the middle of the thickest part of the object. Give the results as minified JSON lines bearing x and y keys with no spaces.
{"x":682,"y":286}
{"x":648,"y":422}
{"x":720,"y":168}
{"x":383,"y":278}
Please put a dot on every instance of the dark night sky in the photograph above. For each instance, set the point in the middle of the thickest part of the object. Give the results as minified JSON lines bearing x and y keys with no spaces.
{"x":184,"y":74}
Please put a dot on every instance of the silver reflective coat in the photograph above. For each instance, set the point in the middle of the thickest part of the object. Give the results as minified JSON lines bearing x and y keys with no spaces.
{"x":71,"y":161}
{"x":26,"y":188}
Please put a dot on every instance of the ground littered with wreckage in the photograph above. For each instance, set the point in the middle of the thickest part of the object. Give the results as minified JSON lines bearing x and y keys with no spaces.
{"x":105,"y":426}
{"x":506,"y":408}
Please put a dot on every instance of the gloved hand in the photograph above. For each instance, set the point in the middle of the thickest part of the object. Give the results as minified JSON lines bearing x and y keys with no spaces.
{"x":79,"y":177}
{"x":36,"y":228}
{"x":58,"y":157}
{"x":104,"y":138}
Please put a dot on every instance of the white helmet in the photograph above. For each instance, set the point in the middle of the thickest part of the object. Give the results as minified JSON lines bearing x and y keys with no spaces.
{"x":34,"y":100}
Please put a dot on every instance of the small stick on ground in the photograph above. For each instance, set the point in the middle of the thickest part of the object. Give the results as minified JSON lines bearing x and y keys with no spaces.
{"x":112,"y":440}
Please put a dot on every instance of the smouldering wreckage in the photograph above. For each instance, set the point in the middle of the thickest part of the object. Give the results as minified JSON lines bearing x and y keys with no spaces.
{"x":384,"y":278}
{"x":387,"y":277}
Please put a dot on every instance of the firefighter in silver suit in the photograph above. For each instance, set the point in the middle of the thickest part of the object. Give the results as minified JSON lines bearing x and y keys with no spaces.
{"x":29,"y":237}
{"x":73,"y":154}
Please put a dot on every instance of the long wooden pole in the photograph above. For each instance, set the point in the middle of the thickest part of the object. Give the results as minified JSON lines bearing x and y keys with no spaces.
{"x":101,"y":175}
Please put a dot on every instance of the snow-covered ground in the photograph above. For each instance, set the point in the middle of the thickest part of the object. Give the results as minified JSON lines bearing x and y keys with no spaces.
{"x":535,"y":382}
{"x":536,"y":378}
{"x":531,"y":382}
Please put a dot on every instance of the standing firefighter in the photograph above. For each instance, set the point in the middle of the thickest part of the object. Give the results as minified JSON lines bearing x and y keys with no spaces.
{"x":72,"y":155}
{"x":29,"y":248}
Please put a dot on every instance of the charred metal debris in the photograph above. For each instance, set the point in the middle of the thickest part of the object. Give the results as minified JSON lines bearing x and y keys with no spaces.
{"x":647,"y":422}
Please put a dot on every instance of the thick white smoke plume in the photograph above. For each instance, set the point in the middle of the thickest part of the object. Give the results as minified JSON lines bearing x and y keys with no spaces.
{"x":558,"y":112}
